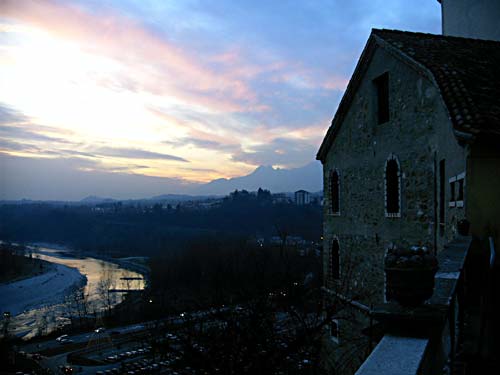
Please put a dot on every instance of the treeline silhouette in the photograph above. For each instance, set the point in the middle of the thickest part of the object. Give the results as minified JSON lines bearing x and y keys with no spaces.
{"x":123,"y":228}
{"x":210,"y":272}
{"x":14,"y":264}
{"x":246,"y":308}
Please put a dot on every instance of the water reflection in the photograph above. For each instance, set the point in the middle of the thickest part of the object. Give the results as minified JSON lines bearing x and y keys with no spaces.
{"x":102,"y":276}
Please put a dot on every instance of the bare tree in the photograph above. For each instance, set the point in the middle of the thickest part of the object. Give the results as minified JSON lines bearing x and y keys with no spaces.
{"x":42,"y":321}
{"x":104,"y":289}
{"x":77,"y":306}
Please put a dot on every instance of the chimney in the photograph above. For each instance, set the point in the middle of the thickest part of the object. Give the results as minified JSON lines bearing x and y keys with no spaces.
{"x":479,"y":19}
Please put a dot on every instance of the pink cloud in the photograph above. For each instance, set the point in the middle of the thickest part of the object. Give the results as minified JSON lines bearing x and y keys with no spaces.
{"x":156,"y":65}
{"x":298,"y":75}
{"x":193,"y":130}
{"x":335,"y":82}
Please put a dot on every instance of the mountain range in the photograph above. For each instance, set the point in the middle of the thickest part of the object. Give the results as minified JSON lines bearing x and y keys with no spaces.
{"x":41,"y":180}
{"x":308,"y":177}
{"x":277,"y":180}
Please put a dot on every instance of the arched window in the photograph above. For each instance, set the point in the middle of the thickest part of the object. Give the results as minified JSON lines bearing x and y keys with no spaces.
{"x":334,"y":192}
{"x":334,"y":266}
{"x":392,"y":187}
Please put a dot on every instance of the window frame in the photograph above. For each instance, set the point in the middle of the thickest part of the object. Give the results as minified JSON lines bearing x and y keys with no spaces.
{"x":452,"y":183}
{"x":442,"y":214}
{"x":381,"y":83}
{"x":330,"y":177}
{"x":334,"y":276}
{"x":457,"y":188}
{"x":392,"y":157}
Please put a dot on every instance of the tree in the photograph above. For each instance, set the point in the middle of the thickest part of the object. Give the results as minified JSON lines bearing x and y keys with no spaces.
{"x":104,"y":289}
{"x":77,"y":306}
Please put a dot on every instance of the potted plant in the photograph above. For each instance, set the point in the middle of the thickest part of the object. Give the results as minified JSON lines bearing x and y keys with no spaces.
{"x":409,"y":275}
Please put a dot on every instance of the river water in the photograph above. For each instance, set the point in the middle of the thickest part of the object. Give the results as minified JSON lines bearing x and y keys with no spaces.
{"x":100,"y":274}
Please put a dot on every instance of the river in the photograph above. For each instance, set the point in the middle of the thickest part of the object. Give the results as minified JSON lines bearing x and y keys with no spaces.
{"x":99,"y":273}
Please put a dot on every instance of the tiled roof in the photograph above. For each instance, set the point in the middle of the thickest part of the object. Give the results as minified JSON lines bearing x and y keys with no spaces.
{"x":466,"y":71}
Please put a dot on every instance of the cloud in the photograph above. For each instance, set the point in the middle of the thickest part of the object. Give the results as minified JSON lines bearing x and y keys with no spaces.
{"x":151,"y":62}
{"x":17,"y":132}
{"x":134,"y":153}
{"x":7,"y":145}
{"x":224,"y":84}
{"x":68,"y":152}
{"x":11,"y":116}
{"x":203,"y":144}
{"x":286,"y":152}
{"x":202,"y":170}
{"x":17,"y":126}
{"x":200,"y":143}
{"x":92,"y":153}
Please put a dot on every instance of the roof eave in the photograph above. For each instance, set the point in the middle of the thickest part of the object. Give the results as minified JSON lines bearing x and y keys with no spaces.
{"x":346,"y":98}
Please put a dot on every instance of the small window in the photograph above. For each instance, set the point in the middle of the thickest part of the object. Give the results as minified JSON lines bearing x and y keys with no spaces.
{"x":392,"y":188}
{"x":334,"y":191}
{"x":457,"y":186}
{"x":335,"y":260}
{"x":382,"y":87}
{"x":460,"y":195}
{"x":334,"y":330}
{"x":452,"y":192}
{"x":442,"y":195}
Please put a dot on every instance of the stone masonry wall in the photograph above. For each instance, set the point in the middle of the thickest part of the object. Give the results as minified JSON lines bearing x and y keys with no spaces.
{"x":420,"y":134}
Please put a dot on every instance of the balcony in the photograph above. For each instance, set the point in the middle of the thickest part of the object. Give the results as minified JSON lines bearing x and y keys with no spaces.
{"x":449,"y":333}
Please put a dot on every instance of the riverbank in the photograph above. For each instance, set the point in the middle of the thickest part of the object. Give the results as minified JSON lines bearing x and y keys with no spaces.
{"x":16,"y":263}
{"x":24,"y":269}
{"x":137,"y":264}
{"x":41,"y":290}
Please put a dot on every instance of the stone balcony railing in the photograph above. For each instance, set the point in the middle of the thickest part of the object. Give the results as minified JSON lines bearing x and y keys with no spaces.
{"x":423,"y":339}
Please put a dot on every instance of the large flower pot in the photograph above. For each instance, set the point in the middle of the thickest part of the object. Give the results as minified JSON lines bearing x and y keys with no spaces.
{"x":409,"y":286}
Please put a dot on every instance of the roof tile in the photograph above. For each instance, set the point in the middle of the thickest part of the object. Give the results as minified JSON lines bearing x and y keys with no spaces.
{"x":467,"y":72}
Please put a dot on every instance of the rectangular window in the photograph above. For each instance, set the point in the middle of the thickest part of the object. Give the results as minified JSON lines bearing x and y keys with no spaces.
{"x":457,"y":186}
{"x":392,"y":189}
{"x":442,"y":194}
{"x":382,"y":87}
{"x":452,"y":192}
{"x":460,"y":195}
{"x":335,"y":196}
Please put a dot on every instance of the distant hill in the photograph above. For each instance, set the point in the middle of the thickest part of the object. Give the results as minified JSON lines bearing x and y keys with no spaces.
{"x":178,"y":197}
{"x":308,"y":177}
{"x":93,"y":199}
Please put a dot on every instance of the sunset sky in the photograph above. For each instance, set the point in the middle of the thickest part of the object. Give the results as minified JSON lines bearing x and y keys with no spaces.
{"x":104,"y":93}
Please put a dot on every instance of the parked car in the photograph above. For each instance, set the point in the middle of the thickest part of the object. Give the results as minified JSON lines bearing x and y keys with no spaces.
{"x":36,"y":356}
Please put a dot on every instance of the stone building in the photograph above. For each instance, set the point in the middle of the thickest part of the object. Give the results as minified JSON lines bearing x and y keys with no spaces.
{"x":413,"y":149}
